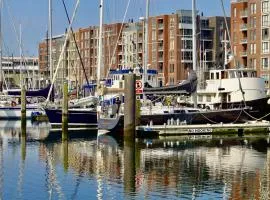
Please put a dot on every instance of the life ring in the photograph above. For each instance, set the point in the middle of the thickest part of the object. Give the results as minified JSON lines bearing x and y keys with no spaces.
{"x":13,"y":104}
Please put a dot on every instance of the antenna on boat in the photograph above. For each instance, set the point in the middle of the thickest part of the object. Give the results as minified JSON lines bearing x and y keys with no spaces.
{"x":194,"y":45}
{"x":146,"y":42}
{"x":1,"y":73}
{"x":194,"y":35}
{"x":50,"y":35}
{"x":100,"y":42}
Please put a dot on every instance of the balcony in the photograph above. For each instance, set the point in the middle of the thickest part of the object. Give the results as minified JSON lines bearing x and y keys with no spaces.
{"x":160,"y":48}
{"x":243,"y":54}
{"x":243,"y":27}
{"x":243,"y":41}
{"x":160,"y":59}
{"x":244,"y":14}
{"x":160,"y":26}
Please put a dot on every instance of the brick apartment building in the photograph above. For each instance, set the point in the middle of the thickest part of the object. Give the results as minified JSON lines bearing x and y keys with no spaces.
{"x":169,"y":47}
{"x":250,"y":34}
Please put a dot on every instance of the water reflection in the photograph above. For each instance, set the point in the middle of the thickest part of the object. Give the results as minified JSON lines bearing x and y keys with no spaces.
{"x":102,"y":167}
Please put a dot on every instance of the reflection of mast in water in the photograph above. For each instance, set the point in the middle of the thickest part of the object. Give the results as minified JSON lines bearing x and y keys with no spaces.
{"x":99,"y":163}
{"x":53,"y":183}
{"x":1,"y":168}
{"x":21,"y":165}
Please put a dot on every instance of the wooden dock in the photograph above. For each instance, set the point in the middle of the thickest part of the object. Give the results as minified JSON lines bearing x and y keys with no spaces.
{"x":253,"y":126}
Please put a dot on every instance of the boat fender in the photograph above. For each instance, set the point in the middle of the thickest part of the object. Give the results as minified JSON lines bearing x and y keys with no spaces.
{"x":13,"y":103}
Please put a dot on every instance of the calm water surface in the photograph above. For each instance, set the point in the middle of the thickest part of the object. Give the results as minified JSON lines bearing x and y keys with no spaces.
{"x":101,"y":167}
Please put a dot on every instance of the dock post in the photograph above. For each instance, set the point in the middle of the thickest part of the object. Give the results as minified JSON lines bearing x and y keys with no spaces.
{"x":130,"y":106}
{"x":65,"y":112}
{"x":23,"y":110}
{"x":129,"y":134}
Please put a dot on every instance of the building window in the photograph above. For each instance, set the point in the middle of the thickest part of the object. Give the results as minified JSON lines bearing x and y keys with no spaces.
{"x":208,"y":98}
{"x":265,"y":34}
{"x":253,"y":22}
{"x":265,"y":63}
{"x":234,"y":12}
{"x":253,"y":35}
{"x":265,"y":47}
{"x":252,"y":48}
{"x":253,"y":8}
{"x":265,"y":7}
{"x":265,"y":20}
{"x":171,"y":68}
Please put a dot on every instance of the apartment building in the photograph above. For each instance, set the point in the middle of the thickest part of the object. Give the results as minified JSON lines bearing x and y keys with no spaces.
{"x":169,"y":48}
{"x":250,"y":35}
{"x":218,"y":25}
{"x":132,"y":45}
{"x":14,"y":66}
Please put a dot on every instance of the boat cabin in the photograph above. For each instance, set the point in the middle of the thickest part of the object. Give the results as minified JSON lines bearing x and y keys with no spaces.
{"x":230,"y":74}
{"x":116,"y":77}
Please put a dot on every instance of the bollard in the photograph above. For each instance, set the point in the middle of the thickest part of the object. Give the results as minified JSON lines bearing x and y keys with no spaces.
{"x":65,"y":112}
{"x":23,"y":111}
{"x":130,"y":106}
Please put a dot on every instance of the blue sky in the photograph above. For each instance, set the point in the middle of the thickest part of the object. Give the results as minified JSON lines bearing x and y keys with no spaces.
{"x":33,"y":16}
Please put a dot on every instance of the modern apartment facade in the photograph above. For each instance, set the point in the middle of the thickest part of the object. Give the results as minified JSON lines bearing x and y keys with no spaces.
{"x":250,"y":35}
{"x":27,"y":66}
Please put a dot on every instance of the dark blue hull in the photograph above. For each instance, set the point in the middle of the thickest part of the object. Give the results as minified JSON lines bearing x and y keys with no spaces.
{"x":77,"y":118}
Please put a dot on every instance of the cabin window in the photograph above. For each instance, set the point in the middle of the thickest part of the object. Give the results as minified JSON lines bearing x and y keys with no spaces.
{"x":239,"y":74}
{"x":222,"y":75}
{"x":208,"y":98}
{"x":212,"y":76}
{"x":120,"y":84}
{"x":245,"y":74}
{"x":229,"y":98}
{"x":217,"y":75}
{"x":149,"y":78}
{"x":232,"y":75}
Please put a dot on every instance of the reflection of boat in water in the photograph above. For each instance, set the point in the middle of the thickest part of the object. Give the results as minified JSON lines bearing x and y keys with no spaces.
{"x":11,"y":130}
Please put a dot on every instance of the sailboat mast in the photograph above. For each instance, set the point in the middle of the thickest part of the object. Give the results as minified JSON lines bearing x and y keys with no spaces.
{"x":50,"y":35}
{"x":1,"y":54}
{"x":194,"y":35}
{"x":146,"y":42}
{"x":21,"y":78}
{"x":100,"y":41}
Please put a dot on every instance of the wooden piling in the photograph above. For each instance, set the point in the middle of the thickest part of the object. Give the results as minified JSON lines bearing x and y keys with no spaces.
{"x":130,"y":106}
{"x":65,"y":112}
{"x":129,"y":165}
{"x":65,"y":155}
{"x":23,"y":111}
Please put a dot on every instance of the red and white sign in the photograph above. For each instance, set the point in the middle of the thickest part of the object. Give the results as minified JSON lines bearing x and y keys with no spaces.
{"x":139,"y":87}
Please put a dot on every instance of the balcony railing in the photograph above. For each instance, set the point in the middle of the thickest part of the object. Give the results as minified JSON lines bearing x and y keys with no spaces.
{"x":244,"y":13}
{"x":244,"y":53}
{"x":243,"y":41}
{"x":243,"y":27}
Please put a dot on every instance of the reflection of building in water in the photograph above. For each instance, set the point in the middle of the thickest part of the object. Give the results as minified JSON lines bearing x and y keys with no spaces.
{"x":229,"y":169}
{"x":235,"y":169}
{"x":83,"y":157}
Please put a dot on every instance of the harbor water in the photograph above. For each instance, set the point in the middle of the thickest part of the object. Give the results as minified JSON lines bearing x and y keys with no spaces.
{"x":98,"y":166}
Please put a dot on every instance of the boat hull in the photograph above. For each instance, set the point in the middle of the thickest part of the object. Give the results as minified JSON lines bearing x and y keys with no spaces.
{"x":14,"y":113}
{"x":77,"y":118}
{"x":199,"y":117}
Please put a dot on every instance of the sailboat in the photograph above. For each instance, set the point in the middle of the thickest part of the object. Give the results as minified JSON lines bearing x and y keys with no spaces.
{"x":78,"y":117}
